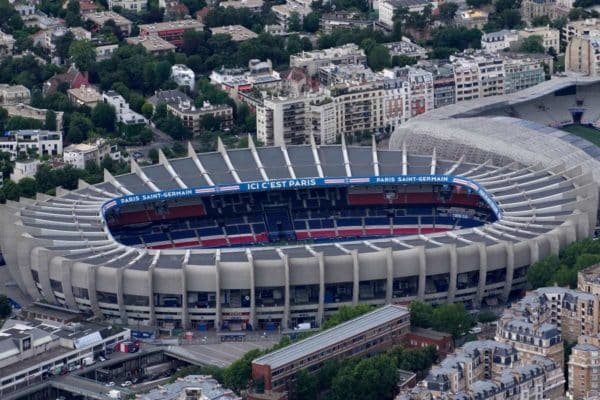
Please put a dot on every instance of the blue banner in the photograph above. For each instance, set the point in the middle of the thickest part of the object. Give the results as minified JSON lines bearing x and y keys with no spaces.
{"x":305,"y":183}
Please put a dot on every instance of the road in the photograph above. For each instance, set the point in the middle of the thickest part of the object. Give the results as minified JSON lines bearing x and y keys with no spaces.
{"x":221,"y":354}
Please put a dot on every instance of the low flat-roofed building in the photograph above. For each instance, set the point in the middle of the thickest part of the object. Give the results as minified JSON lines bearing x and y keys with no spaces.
{"x":50,"y":313}
{"x":78,"y":155}
{"x":171,"y":31}
{"x":421,"y":337}
{"x":153,"y":44}
{"x":406,"y":48}
{"x":46,"y":143}
{"x":29,"y":349}
{"x":125,"y":115}
{"x":100,"y":18}
{"x":238,"y":33}
{"x":377,"y":330}
{"x":85,"y":96}
{"x":344,"y":20}
{"x":191,"y":387}
{"x":128,"y":5}
{"x":38,"y":114}
{"x":252,"y":5}
{"x":24,"y":169}
{"x":14,"y":94}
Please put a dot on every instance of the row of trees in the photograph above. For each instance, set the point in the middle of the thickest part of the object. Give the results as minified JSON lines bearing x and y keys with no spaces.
{"x":562,"y":270}
{"x":449,"y":318}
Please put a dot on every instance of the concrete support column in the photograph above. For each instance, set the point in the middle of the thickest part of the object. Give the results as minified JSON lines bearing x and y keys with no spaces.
{"x":422,"y":273}
{"x":91,"y":274}
{"x":534,"y":252}
{"x":286,"y":300}
{"x":389,"y":283}
{"x":185,"y":316}
{"x":510,"y":269}
{"x":482,"y":272}
{"x":23,"y":264}
{"x":44,"y":275}
{"x":218,"y":295}
{"x":252,"y":290}
{"x":120,"y":296}
{"x":321,"y":309}
{"x":67,"y":285}
{"x":355,"y":277}
{"x":152,"y":316}
{"x":554,"y":242}
{"x":453,"y":272}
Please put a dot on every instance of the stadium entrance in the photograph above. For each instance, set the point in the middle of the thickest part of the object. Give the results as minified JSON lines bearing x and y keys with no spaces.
{"x":308,"y":215}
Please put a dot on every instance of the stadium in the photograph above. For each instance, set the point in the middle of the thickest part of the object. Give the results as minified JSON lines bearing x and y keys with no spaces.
{"x":270,"y":237}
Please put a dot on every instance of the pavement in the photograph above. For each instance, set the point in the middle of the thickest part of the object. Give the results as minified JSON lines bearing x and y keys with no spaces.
{"x":222,"y":354}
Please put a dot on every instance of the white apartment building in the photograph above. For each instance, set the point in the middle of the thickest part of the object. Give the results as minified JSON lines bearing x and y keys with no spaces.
{"x":387,"y":9}
{"x":78,"y":155}
{"x":125,"y":114}
{"x":252,"y":5}
{"x":24,"y":169}
{"x":312,"y":61}
{"x":498,"y":41}
{"x":128,"y":5}
{"x":183,"y":76}
{"x":44,"y":142}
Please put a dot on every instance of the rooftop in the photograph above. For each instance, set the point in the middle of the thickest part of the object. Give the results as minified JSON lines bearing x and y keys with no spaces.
{"x":171,"y":25}
{"x":238,"y":33}
{"x":208,"y":387}
{"x":152,"y":43}
{"x":102,"y":17}
{"x":332,"y":336}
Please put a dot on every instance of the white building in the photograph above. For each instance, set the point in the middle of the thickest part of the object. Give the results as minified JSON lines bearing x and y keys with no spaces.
{"x":183,"y":76}
{"x":388,"y":7}
{"x":312,"y":61}
{"x":24,"y":169}
{"x":500,"y":40}
{"x":14,"y":94}
{"x":128,"y":5}
{"x":46,"y":143}
{"x":252,"y":5}
{"x":78,"y":155}
{"x":125,"y":114}
{"x":7,"y":43}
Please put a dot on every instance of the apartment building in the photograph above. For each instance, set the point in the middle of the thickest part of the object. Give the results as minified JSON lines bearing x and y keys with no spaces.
{"x":312,"y":61}
{"x":14,"y":94}
{"x":521,"y":72}
{"x":478,"y":74}
{"x":252,"y":5}
{"x":582,"y":55}
{"x":444,"y":84}
{"x":344,"y":20}
{"x":171,"y":31}
{"x":78,"y":155}
{"x":238,"y":33}
{"x":584,"y":368}
{"x":85,"y":96}
{"x":531,"y":9}
{"x":281,"y":120}
{"x":45,"y":143}
{"x":182,"y":106}
{"x":183,"y":76}
{"x":587,"y":27}
{"x":154,"y":45}
{"x":101,"y":18}
{"x":387,"y":8}
{"x":24,"y":169}
{"x":125,"y":115}
{"x":485,"y":369}
{"x":406,"y":48}
{"x":421,"y":90}
{"x":128,"y":5}
{"x":362,"y":336}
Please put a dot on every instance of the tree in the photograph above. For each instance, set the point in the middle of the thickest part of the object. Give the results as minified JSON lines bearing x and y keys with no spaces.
{"x":311,"y":22}
{"x":379,"y":58}
{"x":447,"y":12}
{"x":83,"y":54}
{"x":305,"y":387}
{"x":294,"y":22}
{"x":346,"y":313}
{"x":533,"y":44}
{"x":28,"y":187}
{"x":452,"y":318}
{"x":50,"y":122}
{"x":147,"y":110}
{"x":510,"y":19}
{"x":541,"y":20}
{"x":104,"y":116}
{"x":542,"y":273}
{"x":5,"y":307}
{"x":153,"y":156}
{"x":63,"y":45}
{"x":238,"y":375}
{"x":79,"y":128}
{"x":478,"y":3}
{"x":11,"y":190}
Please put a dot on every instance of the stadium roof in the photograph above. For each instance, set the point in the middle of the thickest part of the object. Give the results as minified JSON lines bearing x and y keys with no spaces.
{"x":332,"y":336}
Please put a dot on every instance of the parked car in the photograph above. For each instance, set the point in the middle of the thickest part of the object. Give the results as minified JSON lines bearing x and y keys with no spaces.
{"x":126,"y":384}
{"x":110,"y":384}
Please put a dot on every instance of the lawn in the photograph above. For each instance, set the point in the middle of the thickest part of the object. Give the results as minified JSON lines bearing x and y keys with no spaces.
{"x":583,"y":131}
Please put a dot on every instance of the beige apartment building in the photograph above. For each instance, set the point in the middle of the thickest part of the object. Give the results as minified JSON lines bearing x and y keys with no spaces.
{"x":583,"y":55}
